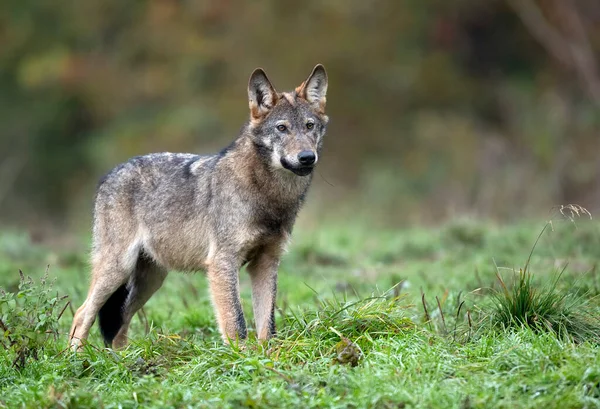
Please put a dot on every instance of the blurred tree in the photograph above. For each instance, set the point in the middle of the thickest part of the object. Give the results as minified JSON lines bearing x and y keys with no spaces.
{"x":437,"y":107}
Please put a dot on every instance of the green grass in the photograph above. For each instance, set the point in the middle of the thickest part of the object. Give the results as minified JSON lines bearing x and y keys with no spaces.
{"x":566,"y":314}
{"x":352,"y":327}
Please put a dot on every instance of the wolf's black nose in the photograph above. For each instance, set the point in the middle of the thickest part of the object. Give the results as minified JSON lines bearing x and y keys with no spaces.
{"x":306,"y":157}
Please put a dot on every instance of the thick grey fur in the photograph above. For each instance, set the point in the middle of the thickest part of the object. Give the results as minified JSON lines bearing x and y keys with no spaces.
{"x":177,"y":211}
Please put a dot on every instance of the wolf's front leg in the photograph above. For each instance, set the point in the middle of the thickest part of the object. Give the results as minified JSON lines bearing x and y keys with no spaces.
{"x":223,"y":281}
{"x":263,"y":274}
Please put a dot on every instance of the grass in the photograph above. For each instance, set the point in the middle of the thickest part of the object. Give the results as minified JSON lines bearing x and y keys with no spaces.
{"x":366,"y":319}
{"x":543,"y":308}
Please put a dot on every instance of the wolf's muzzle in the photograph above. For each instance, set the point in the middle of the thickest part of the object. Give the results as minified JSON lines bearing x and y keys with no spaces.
{"x":298,"y":168}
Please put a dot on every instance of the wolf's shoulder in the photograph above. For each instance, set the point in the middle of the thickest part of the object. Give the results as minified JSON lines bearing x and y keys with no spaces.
{"x":167,"y":163}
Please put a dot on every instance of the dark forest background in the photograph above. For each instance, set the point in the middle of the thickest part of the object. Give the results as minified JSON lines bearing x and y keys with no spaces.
{"x":438,"y":108}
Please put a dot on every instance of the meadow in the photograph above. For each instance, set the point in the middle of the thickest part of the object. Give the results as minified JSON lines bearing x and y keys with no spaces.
{"x":464,"y":315}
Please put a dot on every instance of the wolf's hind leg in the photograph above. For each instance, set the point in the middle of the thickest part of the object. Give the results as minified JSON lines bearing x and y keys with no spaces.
{"x":108,"y":276}
{"x":263,"y":275}
{"x":147,"y":278}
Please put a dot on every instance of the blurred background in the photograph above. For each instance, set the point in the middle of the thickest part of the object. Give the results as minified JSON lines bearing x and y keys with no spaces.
{"x":482,"y":108}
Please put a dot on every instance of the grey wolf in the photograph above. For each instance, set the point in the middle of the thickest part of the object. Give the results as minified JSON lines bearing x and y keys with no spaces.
{"x":175,"y":211}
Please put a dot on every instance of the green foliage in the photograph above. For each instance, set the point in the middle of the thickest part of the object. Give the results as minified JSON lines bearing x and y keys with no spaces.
{"x":341,"y":325}
{"x":545,"y":308}
{"x":29,"y":318}
{"x":567,"y":314}
{"x":342,"y":340}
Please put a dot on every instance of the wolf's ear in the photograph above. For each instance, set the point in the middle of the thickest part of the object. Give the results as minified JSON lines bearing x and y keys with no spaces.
{"x":261,"y":95}
{"x":314,"y":89}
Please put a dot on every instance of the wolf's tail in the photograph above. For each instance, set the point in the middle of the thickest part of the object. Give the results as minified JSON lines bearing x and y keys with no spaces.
{"x":110,"y":316}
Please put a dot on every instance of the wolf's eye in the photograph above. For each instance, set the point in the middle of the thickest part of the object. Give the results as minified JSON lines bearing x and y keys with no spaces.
{"x":310,"y":125}
{"x":281,"y":128}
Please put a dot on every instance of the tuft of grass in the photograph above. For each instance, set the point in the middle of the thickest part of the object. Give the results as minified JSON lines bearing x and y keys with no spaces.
{"x":544,"y":308}
{"x":377,"y":316}
{"x":568,"y":315}
{"x":341,"y":329}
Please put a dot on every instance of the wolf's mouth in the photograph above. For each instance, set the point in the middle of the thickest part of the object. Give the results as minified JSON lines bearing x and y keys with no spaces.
{"x":305,"y":171}
{"x":298,"y":170}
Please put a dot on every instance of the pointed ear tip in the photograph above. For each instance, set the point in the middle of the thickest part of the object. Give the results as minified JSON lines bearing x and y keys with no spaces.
{"x":257,"y":71}
{"x":257,"y":77}
{"x":320,"y":69}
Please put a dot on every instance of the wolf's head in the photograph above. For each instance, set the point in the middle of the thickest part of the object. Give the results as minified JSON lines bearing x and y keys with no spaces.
{"x":287,"y":128}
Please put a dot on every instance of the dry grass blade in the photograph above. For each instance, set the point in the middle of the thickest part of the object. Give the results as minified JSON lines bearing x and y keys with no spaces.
{"x":441,"y":314}
{"x":63,"y":310}
{"x":427,"y":317}
{"x":572,"y":211}
{"x":470,"y":323}
{"x":456,"y":320}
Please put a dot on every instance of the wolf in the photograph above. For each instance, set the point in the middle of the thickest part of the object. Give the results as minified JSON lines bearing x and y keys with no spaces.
{"x":176,"y":211}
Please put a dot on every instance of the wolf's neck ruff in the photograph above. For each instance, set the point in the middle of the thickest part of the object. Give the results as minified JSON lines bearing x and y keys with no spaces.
{"x":276,"y":194}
